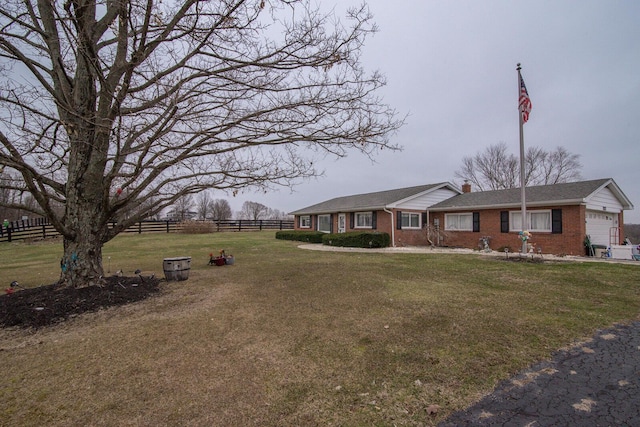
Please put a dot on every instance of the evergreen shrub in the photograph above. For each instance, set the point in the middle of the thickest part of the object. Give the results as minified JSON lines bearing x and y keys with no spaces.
{"x":357,"y":239}
{"x":300,"y":235}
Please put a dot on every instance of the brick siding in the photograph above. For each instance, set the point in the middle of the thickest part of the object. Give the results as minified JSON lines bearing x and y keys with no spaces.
{"x":569,"y":242}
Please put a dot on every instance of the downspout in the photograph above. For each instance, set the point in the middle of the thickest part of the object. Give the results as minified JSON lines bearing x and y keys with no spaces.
{"x":393,"y":227}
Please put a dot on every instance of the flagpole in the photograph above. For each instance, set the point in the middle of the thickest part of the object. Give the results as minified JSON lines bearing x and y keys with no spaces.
{"x":522,"y":177}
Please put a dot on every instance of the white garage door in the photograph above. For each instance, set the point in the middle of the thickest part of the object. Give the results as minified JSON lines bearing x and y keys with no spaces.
{"x":599,"y":226}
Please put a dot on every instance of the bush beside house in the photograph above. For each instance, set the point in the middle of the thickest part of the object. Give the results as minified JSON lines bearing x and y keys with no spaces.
{"x":357,"y":239}
{"x":300,"y":236}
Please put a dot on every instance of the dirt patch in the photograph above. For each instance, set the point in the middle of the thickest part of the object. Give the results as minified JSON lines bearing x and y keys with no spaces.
{"x":45,"y":305}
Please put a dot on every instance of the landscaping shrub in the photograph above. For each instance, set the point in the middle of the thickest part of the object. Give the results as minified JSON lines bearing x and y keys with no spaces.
{"x":300,"y":235}
{"x":357,"y":239}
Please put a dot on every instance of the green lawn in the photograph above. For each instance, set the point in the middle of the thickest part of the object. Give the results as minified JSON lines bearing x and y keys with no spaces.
{"x":292,"y":337}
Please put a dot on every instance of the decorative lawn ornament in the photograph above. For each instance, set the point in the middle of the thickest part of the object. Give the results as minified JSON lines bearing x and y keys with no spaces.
{"x":524,"y":235}
{"x":222,"y":259}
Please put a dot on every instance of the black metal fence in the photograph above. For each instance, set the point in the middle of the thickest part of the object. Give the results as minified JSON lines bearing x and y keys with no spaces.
{"x":41,"y":228}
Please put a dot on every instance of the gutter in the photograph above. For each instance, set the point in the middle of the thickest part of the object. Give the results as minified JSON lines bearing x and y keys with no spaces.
{"x":393,"y":228}
{"x":510,"y":205}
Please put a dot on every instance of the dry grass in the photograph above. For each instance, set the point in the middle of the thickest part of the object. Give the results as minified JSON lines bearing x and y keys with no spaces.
{"x":289,"y":337}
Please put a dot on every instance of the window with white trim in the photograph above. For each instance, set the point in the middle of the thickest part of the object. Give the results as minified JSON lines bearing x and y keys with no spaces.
{"x":458,"y":222}
{"x":410,"y":220}
{"x":538,"y":220}
{"x":305,"y":221}
{"x":364,"y":220}
{"x":324,"y":223}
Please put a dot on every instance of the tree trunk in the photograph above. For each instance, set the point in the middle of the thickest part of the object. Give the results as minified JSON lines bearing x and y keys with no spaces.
{"x":85,"y":221}
{"x":81,"y":264}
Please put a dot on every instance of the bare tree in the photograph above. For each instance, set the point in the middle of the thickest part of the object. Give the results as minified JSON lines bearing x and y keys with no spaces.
{"x":253,"y":210}
{"x":182,"y":208}
{"x":275,"y":214}
{"x":561,"y":166}
{"x":15,"y":203}
{"x":7,"y":197}
{"x":496,"y":169}
{"x":221,"y":210}
{"x":107,"y":105}
{"x":204,"y":205}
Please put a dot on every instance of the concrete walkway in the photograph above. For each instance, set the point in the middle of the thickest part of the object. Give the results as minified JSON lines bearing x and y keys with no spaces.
{"x":438,"y":250}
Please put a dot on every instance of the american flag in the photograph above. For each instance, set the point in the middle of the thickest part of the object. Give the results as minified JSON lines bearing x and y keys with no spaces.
{"x":524,"y":103}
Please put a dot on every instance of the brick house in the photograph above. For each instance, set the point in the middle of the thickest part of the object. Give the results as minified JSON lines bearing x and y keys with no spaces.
{"x":402,"y":213}
{"x":559,"y":216}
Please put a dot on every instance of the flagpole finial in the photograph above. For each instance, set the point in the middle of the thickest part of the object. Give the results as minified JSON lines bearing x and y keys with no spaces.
{"x":518,"y":67}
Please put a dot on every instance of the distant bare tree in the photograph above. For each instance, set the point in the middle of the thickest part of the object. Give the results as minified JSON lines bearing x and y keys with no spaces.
{"x":560,"y":166}
{"x":275,"y":214}
{"x":253,"y":210}
{"x":7,"y":196}
{"x":496,"y":169}
{"x":221,"y":210}
{"x":632,"y":231}
{"x":204,"y":205}
{"x":182,"y":208}
{"x":14,"y":202}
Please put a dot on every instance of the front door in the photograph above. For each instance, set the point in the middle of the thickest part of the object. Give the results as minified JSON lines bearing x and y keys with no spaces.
{"x":342,"y":223}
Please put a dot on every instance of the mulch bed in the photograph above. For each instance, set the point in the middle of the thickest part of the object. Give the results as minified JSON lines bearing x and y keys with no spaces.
{"x":46,"y":305}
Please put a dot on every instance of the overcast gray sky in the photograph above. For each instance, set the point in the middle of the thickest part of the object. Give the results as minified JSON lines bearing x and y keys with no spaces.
{"x":451,"y":65}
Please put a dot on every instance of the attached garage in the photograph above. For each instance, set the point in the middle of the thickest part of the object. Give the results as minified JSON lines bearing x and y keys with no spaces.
{"x":602,"y":227}
{"x":602,"y":209}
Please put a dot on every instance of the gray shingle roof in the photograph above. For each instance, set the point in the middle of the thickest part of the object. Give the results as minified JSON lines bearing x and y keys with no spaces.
{"x":556,"y":194}
{"x":368,"y":201}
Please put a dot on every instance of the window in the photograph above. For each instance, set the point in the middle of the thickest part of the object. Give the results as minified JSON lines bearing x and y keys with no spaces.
{"x":410,"y":220}
{"x":324,"y":223}
{"x":364,"y":220}
{"x":536,"y":221}
{"x":305,"y":221}
{"x":458,"y":222}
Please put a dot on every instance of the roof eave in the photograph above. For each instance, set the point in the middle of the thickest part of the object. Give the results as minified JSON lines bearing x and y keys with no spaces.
{"x":511,"y":205}
{"x":617,"y":191}
{"x":355,"y":209}
{"x":422,"y":193}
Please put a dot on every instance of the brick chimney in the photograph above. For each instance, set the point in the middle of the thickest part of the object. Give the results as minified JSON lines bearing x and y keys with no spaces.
{"x":466,"y":187}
